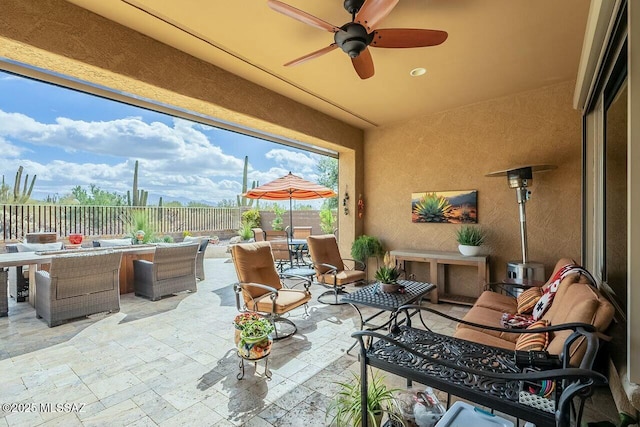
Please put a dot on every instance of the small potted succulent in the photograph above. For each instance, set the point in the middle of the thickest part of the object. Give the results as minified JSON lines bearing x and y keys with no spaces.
{"x":388,"y":275}
{"x":470,"y":239}
{"x":253,"y":335}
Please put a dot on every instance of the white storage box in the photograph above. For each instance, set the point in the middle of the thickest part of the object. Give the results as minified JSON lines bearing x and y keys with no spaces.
{"x":461,"y":414}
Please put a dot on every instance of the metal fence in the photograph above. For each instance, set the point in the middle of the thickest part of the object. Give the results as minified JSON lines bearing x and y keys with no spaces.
{"x":17,"y":220}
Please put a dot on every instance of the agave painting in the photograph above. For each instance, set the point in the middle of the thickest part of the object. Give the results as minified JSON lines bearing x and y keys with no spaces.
{"x":445,"y":207}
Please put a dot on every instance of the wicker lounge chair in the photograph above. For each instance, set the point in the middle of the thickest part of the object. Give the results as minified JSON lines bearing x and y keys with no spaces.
{"x":78,"y":285}
{"x":173,"y":270}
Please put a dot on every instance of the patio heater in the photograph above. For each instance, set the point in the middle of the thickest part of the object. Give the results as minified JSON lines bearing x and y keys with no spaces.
{"x":519,"y":179}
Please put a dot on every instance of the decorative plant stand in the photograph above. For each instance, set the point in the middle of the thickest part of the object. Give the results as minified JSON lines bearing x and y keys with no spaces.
{"x":253,"y":351}
{"x":267,"y":372}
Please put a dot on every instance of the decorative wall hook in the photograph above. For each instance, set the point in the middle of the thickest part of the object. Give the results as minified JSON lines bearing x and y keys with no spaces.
{"x":360,"y":206}
{"x":345,"y":202}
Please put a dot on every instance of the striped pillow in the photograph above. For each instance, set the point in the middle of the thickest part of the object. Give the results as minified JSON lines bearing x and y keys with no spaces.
{"x":528,"y":299}
{"x":535,"y":342}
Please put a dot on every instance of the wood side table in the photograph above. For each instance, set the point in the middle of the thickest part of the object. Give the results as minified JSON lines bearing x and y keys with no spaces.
{"x":438,"y":260}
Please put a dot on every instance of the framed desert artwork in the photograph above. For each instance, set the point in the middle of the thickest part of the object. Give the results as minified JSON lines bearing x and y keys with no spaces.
{"x":453,"y":207}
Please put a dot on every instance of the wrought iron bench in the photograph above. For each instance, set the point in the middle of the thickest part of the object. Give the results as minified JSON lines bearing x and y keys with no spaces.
{"x":482,"y":374}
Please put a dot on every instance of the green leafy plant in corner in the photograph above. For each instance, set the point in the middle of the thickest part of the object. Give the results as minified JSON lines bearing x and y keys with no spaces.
{"x":346,"y":408}
{"x":470,"y":235}
{"x":432,"y":208}
{"x":365,"y":247}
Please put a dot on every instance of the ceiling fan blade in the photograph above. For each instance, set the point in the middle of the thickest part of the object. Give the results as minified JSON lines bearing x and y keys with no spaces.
{"x":374,"y":11}
{"x":301,"y":16}
{"x":408,"y":37}
{"x":311,"y":55}
{"x":363,"y":64}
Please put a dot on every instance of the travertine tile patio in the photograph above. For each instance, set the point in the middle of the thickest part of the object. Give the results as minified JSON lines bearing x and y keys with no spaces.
{"x":172,"y":363}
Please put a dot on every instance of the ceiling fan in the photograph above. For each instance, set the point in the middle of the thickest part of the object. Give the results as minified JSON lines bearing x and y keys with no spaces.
{"x":356,"y":36}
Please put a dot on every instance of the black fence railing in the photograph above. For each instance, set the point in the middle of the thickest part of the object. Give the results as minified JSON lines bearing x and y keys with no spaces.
{"x":18,"y":220}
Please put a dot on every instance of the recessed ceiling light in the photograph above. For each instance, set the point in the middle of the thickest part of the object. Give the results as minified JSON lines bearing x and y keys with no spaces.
{"x":417,"y":72}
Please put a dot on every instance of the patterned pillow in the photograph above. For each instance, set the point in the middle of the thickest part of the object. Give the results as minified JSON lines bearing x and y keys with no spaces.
{"x":528,"y":299}
{"x":537,"y":341}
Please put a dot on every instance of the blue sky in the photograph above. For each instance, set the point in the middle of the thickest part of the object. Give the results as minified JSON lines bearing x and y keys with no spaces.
{"x":69,"y":138}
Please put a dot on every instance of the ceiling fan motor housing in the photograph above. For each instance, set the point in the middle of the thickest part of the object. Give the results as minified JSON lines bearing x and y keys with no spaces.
{"x":353,"y":39}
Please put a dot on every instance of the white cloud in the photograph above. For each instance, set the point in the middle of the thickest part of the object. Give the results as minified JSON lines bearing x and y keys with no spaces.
{"x":297,"y":162}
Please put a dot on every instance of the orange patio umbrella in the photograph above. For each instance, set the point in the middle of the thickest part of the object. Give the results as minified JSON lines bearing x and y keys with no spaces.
{"x":290,"y":187}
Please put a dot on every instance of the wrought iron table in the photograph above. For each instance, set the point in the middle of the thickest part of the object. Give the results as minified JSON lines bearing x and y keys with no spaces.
{"x":372,"y":296}
{"x":479,"y":373}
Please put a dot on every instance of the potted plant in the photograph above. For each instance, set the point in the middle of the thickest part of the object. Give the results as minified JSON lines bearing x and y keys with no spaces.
{"x":253,"y":335}
{"x":365,"y":247}
{"x":470,"y":239}
{"x":388,"y":275}
{"x":346,"y":407}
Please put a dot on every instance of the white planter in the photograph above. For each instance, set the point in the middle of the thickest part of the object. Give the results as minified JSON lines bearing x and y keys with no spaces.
{"x":467,"y":250}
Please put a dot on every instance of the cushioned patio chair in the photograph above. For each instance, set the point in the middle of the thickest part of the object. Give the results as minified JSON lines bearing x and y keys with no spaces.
{"x":19,"y":276}
{"x":331,"y":270}
{"x":78,"y":285}
{"x":280,"y":249}
{"x":172,"y":270}
{"x":258,"y":234}
{"x":261,"y":287}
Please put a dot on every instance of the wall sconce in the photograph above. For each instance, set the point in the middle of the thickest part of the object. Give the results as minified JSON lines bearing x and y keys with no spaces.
{"x":345,"y":201}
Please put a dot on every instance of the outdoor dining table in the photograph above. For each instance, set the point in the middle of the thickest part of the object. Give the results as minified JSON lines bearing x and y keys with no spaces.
{"x":36,"y":259}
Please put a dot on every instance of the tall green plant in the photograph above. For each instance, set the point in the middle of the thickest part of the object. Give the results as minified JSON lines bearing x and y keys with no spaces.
{"x":278,"y":222}
{"x":327,"y":221}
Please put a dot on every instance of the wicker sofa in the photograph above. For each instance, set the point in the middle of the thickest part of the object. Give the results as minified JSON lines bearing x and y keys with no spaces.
{"x":576,"y":301}
{"x":173,"y":270}
{"x":78,"y":285}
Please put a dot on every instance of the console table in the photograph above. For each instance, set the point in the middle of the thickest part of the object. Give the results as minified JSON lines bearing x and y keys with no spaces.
{"x":438,"y":260}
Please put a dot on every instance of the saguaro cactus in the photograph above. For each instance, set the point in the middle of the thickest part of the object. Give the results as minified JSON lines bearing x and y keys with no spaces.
{"x":244,"y":202}
{"x":139,"y":196}
{"x":17,"y":196}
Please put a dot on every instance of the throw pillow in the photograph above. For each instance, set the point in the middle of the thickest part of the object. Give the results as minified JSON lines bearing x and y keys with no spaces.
{"x":535,"y":341}
{"x":516,"y":321}
{"x":39,"y":247}
{"x":114,"y":242}
{"x":528,"y":299}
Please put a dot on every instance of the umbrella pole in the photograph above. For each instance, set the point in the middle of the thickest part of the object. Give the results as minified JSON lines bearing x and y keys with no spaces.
{"x":290,"y":217}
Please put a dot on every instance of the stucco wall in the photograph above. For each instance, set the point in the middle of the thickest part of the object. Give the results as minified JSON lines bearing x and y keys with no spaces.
{"x":455,"y":149}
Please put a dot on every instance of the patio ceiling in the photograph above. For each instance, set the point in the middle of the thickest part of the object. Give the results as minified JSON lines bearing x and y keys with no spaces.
{"x":495,"y":48}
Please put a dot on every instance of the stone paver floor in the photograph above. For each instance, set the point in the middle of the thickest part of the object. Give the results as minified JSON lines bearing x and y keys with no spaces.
{"x":172,"y":363}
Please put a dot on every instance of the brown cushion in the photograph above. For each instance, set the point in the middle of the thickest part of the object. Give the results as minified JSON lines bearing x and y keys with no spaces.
{"x":254,"y":264}
{"x":497,"y":302}
{"x":482,"y":338}
{"x":488,"y":317}
{"x":324,"y":250}
{"x":287,"y":300}
{"x":343,"y":277}
{"x":535,"y":342}
{"x":528,"y":299}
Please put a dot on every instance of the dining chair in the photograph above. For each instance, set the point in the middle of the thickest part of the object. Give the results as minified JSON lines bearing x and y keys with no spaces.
{"x":261,"y":288}
{"x":331,"y":270}
{"x":280,"y":248}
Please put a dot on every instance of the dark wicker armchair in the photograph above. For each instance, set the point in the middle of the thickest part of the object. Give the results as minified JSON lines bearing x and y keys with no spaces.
{"x":78,"y":285}
{"x":173,"y":270}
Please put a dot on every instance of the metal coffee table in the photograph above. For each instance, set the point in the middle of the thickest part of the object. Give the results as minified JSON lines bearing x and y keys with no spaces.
{"x":372,"y":296}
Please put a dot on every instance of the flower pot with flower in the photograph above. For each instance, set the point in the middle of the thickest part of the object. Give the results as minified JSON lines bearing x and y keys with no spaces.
{"x":253,"y":335}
